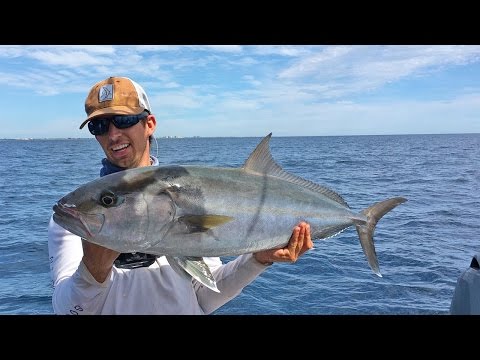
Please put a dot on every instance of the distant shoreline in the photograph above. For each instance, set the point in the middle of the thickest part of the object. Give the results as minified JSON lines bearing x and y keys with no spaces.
{"x":174,"y":137}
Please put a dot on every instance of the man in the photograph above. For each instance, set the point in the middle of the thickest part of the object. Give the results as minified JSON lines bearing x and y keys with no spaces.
{"x":90,"y":279}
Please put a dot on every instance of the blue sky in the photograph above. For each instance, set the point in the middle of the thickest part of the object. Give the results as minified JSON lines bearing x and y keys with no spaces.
{"x":232,"y":90}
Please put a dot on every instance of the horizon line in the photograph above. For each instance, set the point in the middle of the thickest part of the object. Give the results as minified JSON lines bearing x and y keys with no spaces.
{"x":170,"y":137}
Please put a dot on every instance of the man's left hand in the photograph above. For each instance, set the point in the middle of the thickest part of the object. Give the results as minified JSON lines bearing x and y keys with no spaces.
{"x":300,"y":242}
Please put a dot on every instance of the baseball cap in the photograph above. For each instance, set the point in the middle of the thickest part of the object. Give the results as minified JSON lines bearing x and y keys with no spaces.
{"x":115,"y":96}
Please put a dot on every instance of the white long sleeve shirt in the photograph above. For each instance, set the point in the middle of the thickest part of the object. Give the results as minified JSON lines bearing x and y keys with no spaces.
{"x":156,"y":289}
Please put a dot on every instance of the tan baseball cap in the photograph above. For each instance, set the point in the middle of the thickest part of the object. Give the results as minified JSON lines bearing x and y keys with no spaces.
{"x":115,"y":96}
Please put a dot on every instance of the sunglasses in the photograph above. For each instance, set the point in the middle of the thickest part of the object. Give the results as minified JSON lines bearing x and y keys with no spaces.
{"x":100,"y":125}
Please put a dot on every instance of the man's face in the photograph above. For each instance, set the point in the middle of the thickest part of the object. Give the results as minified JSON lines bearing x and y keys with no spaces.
{"x":128,"y":148}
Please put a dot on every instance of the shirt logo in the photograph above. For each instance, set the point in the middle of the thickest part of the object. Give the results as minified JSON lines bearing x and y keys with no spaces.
{"x":105,"y":93}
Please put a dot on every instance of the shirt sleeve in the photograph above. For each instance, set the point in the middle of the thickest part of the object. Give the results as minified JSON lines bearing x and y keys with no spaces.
{"x":231,"y":278}
{"x":75,"y":291}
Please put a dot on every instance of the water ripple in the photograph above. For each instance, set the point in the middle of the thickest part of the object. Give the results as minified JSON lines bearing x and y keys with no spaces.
{"x":422,"y":246}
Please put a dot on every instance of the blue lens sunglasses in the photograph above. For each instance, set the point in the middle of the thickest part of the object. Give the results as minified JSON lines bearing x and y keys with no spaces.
{"x":100,"y":125}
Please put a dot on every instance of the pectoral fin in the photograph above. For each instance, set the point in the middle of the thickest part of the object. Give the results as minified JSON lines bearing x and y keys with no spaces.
{"x":202,"y":223}
{"x":195,"y":267}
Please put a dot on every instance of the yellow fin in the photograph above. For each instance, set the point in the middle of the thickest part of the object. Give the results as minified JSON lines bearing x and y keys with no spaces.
{"x":204,"y":222}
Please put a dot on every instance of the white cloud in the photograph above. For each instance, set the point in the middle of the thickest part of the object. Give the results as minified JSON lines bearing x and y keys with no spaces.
{"x":283,"y":50}
{"x":69,"y":58}
{"x":250,"y":89}
{"x":221,"y":48}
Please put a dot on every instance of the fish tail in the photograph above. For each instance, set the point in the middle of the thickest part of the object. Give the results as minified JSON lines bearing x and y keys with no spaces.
{"x":365,"y":231}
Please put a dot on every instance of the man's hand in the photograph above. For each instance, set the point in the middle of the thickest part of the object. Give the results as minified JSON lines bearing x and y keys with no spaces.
{"x":300,"y":241}
{"x":98,"y":260}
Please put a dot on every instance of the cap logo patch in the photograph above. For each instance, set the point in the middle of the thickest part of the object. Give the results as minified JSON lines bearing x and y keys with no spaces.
{"x":105,"y":93}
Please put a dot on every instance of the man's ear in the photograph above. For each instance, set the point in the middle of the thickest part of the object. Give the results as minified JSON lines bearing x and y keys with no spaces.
{"x":151,"y":124}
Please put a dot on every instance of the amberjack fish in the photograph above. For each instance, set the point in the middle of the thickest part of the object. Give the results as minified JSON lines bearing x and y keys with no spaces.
{"x":190,"y":212}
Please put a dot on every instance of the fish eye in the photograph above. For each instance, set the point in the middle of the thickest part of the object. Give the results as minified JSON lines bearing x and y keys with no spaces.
{"x":109,"y":199}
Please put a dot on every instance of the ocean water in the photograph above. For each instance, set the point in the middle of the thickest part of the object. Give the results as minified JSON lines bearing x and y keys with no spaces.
{"x":422,"y":245}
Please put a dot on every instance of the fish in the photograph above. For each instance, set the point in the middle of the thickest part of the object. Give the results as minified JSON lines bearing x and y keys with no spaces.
{"x":189,"y":212}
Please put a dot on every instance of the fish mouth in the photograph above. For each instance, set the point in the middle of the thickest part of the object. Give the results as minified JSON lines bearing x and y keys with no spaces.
{"x":70,"y":218}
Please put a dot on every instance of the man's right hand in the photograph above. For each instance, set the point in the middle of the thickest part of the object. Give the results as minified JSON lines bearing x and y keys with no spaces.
{"x":98,"y":260}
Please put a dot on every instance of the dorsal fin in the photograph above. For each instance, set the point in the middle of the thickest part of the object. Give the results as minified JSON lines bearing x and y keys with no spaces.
{"x":261,"y":162}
